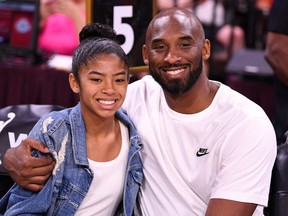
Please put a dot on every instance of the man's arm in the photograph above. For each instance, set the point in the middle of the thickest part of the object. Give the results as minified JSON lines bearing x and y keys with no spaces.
{"x":222,"y":207}
{"x":27,"y":171}
{"x":276,"y":55}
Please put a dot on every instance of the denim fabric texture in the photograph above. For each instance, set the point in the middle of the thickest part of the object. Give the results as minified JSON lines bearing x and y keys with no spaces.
{"x":64,"y":134}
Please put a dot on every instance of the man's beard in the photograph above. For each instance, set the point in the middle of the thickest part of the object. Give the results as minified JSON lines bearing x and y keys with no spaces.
{"x":179,"y":86}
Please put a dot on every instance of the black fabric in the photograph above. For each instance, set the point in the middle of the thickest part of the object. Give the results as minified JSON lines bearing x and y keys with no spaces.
{"x":280,"y":120}
{"x":6,"y":184}
{"x":278,"y":200}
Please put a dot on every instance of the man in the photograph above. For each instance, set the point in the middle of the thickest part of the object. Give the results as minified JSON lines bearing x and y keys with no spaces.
{"x":276,"y":55}
{"x":207,"y":149}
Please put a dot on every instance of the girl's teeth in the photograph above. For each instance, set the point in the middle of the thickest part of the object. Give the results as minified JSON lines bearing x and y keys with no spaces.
{"x":106,"y":102}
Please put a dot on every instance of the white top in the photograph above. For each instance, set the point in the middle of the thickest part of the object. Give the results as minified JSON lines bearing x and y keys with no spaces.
{"x":226,"y":151}
{"x":106,"y":189}
{"x":205,"y":12}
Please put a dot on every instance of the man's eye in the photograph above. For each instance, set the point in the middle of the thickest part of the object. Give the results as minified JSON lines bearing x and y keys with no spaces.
{"x":185,"y":45}
{"x":159,"y":47}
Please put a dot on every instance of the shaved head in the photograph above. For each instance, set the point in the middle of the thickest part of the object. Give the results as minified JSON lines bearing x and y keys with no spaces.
{"x":166,"y":19}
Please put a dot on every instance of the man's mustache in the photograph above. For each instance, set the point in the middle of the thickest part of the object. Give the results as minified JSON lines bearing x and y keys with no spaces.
{"x":173,"y":66}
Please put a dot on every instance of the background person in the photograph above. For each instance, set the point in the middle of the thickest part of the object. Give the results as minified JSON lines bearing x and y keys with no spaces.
{"x":276,"y":53}
{"x":60,"y":23}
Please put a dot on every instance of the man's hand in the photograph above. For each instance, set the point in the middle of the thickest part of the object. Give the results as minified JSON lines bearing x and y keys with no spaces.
{"x":27,"y":171}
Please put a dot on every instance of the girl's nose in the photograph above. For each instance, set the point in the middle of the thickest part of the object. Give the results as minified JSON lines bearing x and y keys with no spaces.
{"x":108,"y":88}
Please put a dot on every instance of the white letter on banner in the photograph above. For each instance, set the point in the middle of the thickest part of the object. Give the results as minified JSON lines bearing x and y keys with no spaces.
{"x":12,"y":141}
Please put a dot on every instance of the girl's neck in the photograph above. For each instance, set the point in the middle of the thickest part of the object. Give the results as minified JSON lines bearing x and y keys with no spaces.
{"x":104,"y":141}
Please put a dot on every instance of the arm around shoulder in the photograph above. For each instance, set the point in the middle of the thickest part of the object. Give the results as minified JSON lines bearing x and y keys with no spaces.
{"x":222,"y":207}
{"x":27,"y":171}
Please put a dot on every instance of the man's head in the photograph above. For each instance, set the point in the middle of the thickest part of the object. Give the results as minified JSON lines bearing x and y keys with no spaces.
{"x":175,"y":48}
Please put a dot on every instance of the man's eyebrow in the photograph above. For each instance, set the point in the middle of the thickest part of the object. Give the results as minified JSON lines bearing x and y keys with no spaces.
{"x":186,"y":37}
{"x":157,"y":40}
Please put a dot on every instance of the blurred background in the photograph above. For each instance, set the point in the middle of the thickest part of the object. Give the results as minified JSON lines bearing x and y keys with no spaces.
{"x":38,"y":37}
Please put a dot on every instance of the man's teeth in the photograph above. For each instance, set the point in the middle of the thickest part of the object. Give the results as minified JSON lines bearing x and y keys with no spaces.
{"x":106,"y":102}
{"x":174,"y":72}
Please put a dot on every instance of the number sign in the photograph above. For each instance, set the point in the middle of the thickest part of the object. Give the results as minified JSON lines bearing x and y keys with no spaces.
{"x":129,"y":18}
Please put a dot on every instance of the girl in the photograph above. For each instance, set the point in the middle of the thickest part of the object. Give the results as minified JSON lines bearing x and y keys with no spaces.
{"x":98,"y":169}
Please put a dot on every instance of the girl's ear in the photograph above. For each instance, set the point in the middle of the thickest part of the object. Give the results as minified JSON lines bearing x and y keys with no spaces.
{"x":74,"y":85}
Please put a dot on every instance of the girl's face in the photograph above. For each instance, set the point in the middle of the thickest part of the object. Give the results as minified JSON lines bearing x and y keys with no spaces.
{"x":103,"y":85}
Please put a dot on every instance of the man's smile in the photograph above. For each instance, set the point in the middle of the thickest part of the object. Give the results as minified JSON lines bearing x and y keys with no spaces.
{"x":174,"y":72}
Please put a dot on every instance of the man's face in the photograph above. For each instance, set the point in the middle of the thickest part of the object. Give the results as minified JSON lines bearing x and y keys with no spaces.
{"x":174,"y":52}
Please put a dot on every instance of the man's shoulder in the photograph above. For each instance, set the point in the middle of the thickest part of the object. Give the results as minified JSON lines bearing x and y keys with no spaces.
{"x":145,"y":86}
{"x":239,"y":104}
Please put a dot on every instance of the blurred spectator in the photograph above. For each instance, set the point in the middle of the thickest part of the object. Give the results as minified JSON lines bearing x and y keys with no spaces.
{"x":264,"y":5}
{"x":60,"y":22}
{"x":276,"y":54}
{"x":220,"y":31}
{"x":164,"y":4}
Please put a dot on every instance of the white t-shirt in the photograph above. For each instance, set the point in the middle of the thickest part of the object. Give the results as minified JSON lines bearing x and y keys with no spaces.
{"x":226,"y":151}
{"x":106,"y":189}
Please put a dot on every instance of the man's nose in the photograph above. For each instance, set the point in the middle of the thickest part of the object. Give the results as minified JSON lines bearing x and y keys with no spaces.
{"x":173,"y":56}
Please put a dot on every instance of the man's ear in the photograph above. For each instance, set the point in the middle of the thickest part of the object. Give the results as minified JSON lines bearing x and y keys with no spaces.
{"x":206,"y":49}
{"x":145,"y":55}
{"x":74,"y":85}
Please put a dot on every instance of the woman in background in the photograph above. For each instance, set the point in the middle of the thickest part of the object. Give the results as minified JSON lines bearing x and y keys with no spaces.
{"x":60,"y":23}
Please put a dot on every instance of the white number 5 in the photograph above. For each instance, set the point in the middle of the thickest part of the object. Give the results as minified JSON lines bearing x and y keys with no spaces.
{"x":124,"y":28}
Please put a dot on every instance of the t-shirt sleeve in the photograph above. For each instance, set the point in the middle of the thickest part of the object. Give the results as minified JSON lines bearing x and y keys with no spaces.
{"x":246,"y":167}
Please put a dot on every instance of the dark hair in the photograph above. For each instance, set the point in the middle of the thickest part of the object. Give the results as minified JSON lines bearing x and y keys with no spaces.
{"x":96,"y":39}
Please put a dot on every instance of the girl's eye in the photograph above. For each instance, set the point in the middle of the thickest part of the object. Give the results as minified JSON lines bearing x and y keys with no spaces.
{"x":96,"y":80}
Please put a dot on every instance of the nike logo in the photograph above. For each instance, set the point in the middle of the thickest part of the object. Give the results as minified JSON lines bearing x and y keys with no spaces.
{"x":201,"y":152}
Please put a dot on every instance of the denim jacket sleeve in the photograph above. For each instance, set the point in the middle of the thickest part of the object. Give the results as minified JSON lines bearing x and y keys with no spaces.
{"x":21,"y":201}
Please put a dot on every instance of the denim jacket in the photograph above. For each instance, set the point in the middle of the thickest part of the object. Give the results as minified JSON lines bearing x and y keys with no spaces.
{"x":64,"y":134}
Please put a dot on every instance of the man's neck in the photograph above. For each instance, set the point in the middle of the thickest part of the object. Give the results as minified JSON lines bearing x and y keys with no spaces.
{"x":198,"y":98}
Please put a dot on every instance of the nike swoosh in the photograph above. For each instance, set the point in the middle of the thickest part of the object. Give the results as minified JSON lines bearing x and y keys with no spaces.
{"x":200,"y":154}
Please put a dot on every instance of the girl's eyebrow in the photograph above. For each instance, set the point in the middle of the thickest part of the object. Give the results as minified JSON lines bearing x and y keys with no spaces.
{"x":102,"y":74}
